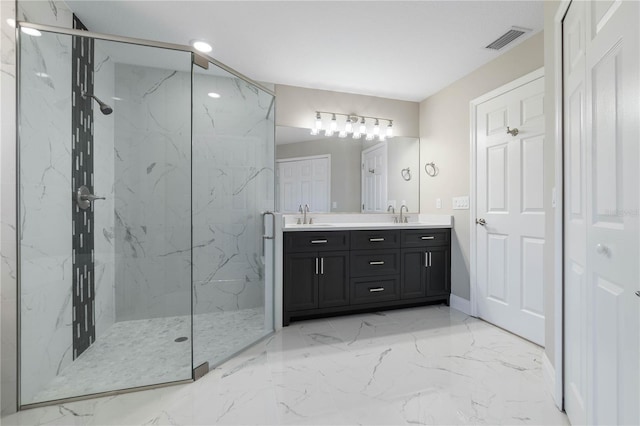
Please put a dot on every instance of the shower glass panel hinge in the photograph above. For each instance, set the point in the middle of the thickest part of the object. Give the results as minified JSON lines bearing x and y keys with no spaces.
{"x":200,"y":61}
{"x":200,"y":371}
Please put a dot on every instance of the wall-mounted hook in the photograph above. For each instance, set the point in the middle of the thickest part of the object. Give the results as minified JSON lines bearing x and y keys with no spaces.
{"x":431,"y":169}
{"x":513,"y":132}
{"x":406,"y":174}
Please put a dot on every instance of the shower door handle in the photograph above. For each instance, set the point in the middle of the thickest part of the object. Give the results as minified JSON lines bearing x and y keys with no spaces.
{"x":264,"y":228}
{"x":84,"y":197}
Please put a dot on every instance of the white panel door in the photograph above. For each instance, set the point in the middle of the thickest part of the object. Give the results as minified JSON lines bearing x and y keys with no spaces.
{"x":510,"y":202}
{"x":602,"y":310}
{"x":374,"y":179}
{"x":304,"y":181}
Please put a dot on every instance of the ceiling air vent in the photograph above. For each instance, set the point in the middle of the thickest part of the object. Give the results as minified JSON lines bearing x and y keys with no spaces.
{"x":507,"y":38}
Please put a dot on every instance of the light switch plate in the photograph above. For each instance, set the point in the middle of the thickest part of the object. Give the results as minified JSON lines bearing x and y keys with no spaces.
{"x":461,"y":203}
{"x":438,"y":203}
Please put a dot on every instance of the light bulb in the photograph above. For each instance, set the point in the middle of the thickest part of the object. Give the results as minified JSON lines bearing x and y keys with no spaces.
{"x":342,"y":134}
{"x":334,"y":123}
{"x":328,"y":132}
{"x":381,"y":137}
{"x":376,"y":128}
{"x":370,"y":137}
{"x":349,"y":126}
{"x":314,"y":132}
{"x":363,"y":126}
{"x":356,"y":135}
{"x":390,"y":129}
{"x":318,"y":121}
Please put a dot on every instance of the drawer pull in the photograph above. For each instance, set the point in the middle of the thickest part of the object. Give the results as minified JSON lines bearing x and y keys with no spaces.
{"x":318,"y":241}
{"x":375,"y":290}
{"x":376,"y":262}
{"x":428,"y":238}
{"x":375,"y":240}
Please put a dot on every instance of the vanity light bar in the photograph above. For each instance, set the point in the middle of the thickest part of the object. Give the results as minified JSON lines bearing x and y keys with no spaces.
{"x":355,"y":125}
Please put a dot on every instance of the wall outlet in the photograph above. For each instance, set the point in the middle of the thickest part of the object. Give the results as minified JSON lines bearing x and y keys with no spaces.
{"x":461,"y":203}
{"x":335,"y":204}
{"x":438,"y":203}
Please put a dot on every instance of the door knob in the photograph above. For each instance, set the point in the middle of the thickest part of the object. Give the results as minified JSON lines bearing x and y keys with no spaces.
{"x":481,"y":222}
{"x":602,"y":249}
{"x":638,"y":293}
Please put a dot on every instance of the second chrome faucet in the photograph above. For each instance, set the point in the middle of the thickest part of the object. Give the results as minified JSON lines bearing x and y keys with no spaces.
{"x":304,"y":212}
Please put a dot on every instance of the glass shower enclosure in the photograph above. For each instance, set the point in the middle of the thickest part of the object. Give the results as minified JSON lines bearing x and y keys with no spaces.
{"x":144,"y":172}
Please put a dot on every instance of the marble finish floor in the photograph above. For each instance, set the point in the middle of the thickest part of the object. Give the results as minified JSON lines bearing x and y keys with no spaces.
{"x":430,"y":365}
{"x":144,"y":352}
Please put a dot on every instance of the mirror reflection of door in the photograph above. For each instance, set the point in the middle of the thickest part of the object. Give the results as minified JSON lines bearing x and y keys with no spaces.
{"x":304,"y":180}
{"x":374,"y":178}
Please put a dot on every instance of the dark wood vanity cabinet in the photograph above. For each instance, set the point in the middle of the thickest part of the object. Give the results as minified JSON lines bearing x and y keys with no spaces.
{"x":341,"y":272}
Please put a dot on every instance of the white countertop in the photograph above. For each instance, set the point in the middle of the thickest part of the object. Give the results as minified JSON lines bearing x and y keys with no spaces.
{"x":338,"y":222}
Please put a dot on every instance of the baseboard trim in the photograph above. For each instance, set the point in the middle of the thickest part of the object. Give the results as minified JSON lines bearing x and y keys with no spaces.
{"x":460,"y":304}
{"x":549,"y":374}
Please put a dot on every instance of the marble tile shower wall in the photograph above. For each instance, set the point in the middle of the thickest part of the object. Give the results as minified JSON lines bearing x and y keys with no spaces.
{"x":8,"y":294}
{"x":233,"y":183}
{"x":46,"y":302}
{"x":45,"y":210}
{"x":104,"y":174}
{"x":153,"y":202}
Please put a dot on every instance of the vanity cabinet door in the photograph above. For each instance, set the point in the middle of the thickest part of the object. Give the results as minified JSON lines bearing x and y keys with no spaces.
{"x":301,"y":281}
{"x":333,"y":279}
{"x":414,"y":262}
{"x":438,"y":273}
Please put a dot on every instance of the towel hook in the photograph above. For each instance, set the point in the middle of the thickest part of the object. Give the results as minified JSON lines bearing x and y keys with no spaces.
{"x":431,"y":169}
{"x":406,"y":174}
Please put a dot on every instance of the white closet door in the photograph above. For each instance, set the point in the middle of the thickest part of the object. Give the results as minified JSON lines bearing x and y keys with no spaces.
{"x":510,"y":199}
{"x":374,"y":179}
{"x":304,"y":181}
{"x":602,"y":311}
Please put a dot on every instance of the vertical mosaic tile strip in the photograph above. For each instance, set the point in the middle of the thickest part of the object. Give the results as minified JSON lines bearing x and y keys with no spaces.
{"x":84,"y":330}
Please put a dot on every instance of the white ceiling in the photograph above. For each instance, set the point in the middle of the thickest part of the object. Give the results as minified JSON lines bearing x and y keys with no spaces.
{"x":394,"y":49}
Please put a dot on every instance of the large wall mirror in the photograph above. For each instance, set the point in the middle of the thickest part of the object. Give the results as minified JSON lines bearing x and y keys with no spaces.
{"x":346,"y":175}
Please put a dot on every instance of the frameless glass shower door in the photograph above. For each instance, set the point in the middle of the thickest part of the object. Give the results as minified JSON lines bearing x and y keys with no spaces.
{"x":233,"y":188}
{"x":104,"y":216}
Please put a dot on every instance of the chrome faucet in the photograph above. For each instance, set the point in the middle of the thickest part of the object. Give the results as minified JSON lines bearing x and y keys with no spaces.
{"x":391,"y":209}
{"x":304,"y":212}
{"x":407,"y":210}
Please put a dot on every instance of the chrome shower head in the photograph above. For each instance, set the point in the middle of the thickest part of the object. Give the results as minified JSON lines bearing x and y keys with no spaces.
{"x":104,"y":108}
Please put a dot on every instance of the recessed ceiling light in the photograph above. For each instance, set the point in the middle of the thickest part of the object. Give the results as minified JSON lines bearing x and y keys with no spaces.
{"x":42,"y":75}
{"x":201,"y":46}
{"x":115,"y":98}
{"x":11,"y":22}
{"x":213,"y":95}
{"x":31,"y":31}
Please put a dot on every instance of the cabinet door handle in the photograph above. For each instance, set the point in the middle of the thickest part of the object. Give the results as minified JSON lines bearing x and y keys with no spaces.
{"x":322,"y":266}
{"x":426,"y":259}
{"x":376,"y":262}
{"x":429,"y":259}
{"x":316,"y":266}
{"x":428,"y":238}
{"x":375,"y":240}
{"x":318,"y":241}
{"x":375,"y":290}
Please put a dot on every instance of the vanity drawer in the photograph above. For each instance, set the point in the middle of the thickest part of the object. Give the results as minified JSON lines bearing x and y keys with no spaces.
{"x":316,"y":241}
{"x":375,"y":262}
{"x":425,"y":237}
{"x":371,"y":240}
{"x":369,"y":290}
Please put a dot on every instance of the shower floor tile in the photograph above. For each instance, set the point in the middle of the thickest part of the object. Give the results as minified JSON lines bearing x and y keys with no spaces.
{"x":144,"y":352}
